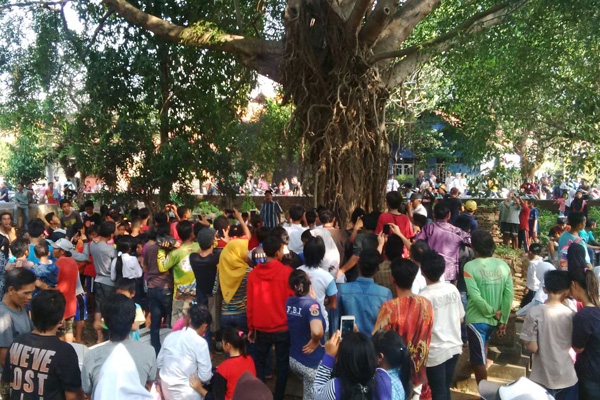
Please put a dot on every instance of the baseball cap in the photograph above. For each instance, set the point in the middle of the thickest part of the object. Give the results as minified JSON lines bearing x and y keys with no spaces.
{"x":62,"y":244}
{"x":206,"y":237}
{"x":470,"y":205}
{"x":521,"y":389}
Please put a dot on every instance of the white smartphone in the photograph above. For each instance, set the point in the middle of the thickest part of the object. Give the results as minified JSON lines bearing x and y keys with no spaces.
{"x":347,"y":324}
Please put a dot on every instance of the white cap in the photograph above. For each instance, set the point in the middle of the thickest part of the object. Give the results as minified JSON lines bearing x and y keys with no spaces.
{"x":521,"y":389}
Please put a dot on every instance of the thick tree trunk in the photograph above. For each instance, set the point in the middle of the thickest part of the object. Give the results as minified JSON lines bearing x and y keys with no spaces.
{"x":340,"y":109}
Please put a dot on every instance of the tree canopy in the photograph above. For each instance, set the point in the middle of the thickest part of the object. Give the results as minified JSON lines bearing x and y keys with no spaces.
{"x":154,"y":89}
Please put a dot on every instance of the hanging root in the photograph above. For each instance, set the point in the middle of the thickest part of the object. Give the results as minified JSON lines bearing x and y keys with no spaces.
{"x":340,"y":102}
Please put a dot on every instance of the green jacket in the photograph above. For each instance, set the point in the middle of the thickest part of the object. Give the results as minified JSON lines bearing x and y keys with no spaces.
{"x":490,"y":288}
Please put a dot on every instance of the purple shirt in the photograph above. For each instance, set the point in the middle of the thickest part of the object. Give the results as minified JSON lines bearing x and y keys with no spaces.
{"x":445,"y":238}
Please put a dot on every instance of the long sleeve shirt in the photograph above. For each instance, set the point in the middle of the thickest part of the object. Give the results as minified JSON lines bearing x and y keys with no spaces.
{"x":327,"y":388}
{"x":490,"y":288}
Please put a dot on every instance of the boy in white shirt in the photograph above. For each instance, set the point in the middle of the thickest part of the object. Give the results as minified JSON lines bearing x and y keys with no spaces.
{"x":547,"y":332}
{"x":448,"y":312}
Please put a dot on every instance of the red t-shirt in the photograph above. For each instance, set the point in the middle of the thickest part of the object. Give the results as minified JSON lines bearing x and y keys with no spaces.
{"x":403,"y":223}
{"x":524,"y":217}
{"x":231,"y":370}
{"x":68,"y":273}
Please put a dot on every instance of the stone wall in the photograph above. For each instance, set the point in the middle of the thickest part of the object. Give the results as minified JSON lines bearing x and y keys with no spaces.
{"x":35,"y":211}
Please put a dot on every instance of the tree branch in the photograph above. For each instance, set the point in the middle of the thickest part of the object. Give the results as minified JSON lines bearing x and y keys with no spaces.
{"x":32,"y":3}
{"x":263,"y":56}
{"x":101,"y":23}
{"x":377,"y":21}
{"x":418,"y":55}
{"x":403,"y":23}
{"x":356,"y":16}
{"x":460,"y":29}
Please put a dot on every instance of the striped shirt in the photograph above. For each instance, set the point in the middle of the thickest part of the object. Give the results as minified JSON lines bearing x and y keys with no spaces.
{"x":270,"y":212}
{"x":239,"y":301}
{"x":326,"y":388}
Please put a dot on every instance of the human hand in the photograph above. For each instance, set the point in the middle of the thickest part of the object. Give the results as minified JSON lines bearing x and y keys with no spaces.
{"x":395,"y":229}
{"x":501,"y":330}
{"x":196,"y":384}
{"x":381,"y":238}
{"x":359,"y":224}
{"x":311,"y":346}
{"x":252,"y":336}
{"x":237,"y":215}
{"x":340,"y":273}
{"x":333,"y":344}
{"x":498,"y":315}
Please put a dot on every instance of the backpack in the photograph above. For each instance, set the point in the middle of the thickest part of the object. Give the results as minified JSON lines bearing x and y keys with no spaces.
{"x":562,"y":255}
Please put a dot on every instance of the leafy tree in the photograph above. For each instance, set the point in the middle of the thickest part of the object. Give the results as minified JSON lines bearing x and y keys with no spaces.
{"x":27,"y":158}
{"x":337,"y":62}
{"x":532,"y":85}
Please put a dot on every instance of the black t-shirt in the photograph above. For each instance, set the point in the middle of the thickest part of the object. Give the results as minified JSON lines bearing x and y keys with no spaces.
{"x":454,"y":204}
{"x":89,"y":220}
{"x":586,"y":335}
{"x":52,"y":368}
{"x":427,"y":201}
{"x":205,"y":271}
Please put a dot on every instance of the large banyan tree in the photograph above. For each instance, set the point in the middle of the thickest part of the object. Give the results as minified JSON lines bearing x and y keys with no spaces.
{"x":338,"y":62}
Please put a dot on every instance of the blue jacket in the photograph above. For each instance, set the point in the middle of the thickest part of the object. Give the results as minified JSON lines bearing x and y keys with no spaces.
{"x":363,"y":299}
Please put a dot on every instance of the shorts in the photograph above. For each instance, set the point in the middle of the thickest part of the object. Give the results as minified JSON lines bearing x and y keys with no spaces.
{"x":100,"y":292}
{"x":89,"y":284}
{"x":509,"y":229}
{"x":81,"y":313}
{"x":479,"y":334}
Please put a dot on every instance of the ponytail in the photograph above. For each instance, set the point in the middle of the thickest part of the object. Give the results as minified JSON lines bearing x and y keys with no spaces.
{"x":236,"y":338}
{"x":592,"y":287}
{"x":587,"y":280}
{"x":119,"y":266}
{"x":123,"y":247}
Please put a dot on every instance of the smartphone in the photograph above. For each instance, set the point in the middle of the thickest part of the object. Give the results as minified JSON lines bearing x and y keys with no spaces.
{"x":347,"y":324}
{"x":229,"y":213}
{"x":386,"y":229}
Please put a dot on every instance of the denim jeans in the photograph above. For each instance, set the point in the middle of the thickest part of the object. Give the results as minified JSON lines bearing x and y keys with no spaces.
{"x":568,"y":393}
{"x":440,"y":378}
{"x":588,"y":389}
{"x":264,"y":341}
{"x":463,"y":325}
{"x":159,"y":302}
{"x":25,"y":211}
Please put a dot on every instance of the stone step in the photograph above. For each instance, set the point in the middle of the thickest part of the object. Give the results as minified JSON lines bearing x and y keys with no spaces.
{"x":468,"y":387}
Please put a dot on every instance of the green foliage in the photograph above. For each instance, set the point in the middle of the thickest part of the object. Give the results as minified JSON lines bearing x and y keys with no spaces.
{"x":27,"y":158}
{"x":507,"y":252}
{"x":270,"y":142}
{"x":206,"y":208}
{"x":248,"y":204}
{"x":401,"y":178}
{"x":528,"y":86}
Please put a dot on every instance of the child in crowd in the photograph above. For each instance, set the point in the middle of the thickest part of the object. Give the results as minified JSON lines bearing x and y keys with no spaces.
{"x":448,"y":312}
{"x":20,"y":251}
{"x":68,"y":274}
{"x":69,"y":217}
{"x":547,"y":332}
{"x":126,"y":287}
{"x":393,"y":356}
{"x":229,"y":371}
{"x":45,"y":269}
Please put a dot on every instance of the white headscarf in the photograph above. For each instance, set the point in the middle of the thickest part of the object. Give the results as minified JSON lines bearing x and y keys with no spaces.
{"x":119,"y":378}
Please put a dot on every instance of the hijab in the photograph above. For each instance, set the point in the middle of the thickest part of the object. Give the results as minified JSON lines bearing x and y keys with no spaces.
{"x":232,"y":267}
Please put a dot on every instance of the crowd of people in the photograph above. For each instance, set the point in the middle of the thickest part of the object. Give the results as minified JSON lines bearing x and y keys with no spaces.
{"x":547,"y":187}
{"x":418,"y":284}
